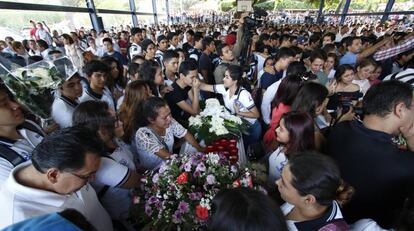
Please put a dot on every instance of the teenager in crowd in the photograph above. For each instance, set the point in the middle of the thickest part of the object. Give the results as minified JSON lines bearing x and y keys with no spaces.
{"x":153,"y":141}
{"x":295,"y":133}
{"x":310,"y":183}
{"x":364,"y":70}
{"x":96,"y":73}
{"x":170,"y":61}
{"x":150,"y":71}
{"x":67,"y":99}
{"x":130,"y":111}
{"x":281,"y":104}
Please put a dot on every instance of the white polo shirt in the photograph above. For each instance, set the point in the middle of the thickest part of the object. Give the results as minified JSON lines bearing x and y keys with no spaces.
{"x":88,"y":94}
{"x":20,"y":202}
{"x":242,"y":97}
{"x":23,"y":147}
{"x":62,"y":111}
{"x":117,"y":201}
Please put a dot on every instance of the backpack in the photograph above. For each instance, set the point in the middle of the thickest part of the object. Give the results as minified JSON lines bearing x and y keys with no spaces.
{"x":12,"y":156}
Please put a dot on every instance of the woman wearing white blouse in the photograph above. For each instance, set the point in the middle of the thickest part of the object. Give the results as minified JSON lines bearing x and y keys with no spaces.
{"x":238,"y":101}
{"x":154,"y":140}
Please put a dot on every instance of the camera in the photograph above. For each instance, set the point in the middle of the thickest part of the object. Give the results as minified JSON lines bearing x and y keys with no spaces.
{"x":345,"y":102}
{"x":346,"y":106}
{"x":253,"y":22}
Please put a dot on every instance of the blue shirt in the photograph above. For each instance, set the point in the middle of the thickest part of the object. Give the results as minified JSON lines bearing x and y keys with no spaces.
{"x":348,"y":58}
{"x":268,"y":79}
{"x":116,"y":55}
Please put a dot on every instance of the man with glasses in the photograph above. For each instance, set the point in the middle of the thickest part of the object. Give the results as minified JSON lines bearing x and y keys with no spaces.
{"x":56,"y":179}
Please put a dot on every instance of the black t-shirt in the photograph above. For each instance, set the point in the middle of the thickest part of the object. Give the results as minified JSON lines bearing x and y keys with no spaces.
{"x":381,"y":173}
{"x":177,"y":95}
{"x":205,"y":64}
{"x":187,"y":47}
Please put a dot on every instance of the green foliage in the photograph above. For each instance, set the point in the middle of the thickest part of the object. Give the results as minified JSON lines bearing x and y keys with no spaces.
{"x":287,"y":4}
{"x":269,"y":5}
{"x":227,"y":5}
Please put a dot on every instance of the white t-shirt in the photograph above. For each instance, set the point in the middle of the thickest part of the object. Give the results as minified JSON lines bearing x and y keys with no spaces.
{"x":117,"y":201}
{"x":267,"y":99}
{"x":20,"y":202}
{"x":146,"y":144}
{"x":243,"y":98}
{"x":106,"y":97}
{"x":22,"y":147}
{"x":277,"y":160}
{"x":62,"y":111}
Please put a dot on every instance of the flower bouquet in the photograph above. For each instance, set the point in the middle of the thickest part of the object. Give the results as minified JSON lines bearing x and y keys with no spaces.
{"x":215,"y":122}
{"x":34,"y":85}
{"x":179,"y":195}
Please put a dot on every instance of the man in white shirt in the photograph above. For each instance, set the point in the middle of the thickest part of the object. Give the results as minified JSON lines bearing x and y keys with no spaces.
{"x":96,"y":71}
{"x":17,"y":136}
{"x":57,"y":179}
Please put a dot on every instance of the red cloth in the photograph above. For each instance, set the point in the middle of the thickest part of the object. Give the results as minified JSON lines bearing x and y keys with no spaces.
{"x":33,"y":33}
{"x":230,"y":39}
{"x":277,"y":114}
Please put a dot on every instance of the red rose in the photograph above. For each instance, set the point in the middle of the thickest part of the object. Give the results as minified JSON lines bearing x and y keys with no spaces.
{"x":182,"y":178}
{"x":201,"y":212}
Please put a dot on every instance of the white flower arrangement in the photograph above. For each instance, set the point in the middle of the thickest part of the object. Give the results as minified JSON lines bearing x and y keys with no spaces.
{"x":216,"y":122}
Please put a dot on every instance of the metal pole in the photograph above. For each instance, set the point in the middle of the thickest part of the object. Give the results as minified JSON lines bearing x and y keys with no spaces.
{"x":167,"y":8}
{"x":92,"y":14}
{"x":154,"y":11}
{"x":133,"y":14}
{"x":321,"y":5}
{"x":345,"y":11}
{"x":387,"y":11}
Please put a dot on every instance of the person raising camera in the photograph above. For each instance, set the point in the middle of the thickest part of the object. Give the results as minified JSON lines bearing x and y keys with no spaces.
{"x":342,"y":90}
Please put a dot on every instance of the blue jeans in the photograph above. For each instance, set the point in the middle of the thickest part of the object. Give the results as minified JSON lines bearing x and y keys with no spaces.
{"x":253,"y":137}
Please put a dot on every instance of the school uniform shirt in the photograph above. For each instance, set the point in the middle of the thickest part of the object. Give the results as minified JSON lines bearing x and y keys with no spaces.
{"x":88,"y":94}
{"x":195,"y":53}
{"x":159,"y":56}
{"x":20,"y":202}
{"x":268,"y":97}
{"x":62,"y":111}
{"x":23,"y":147}
{"x":348,"y":58}
{"x":277,"y":160}
{"x":133,"y":50}
{"x":242,"y":97}
{"x":116,"y":200}
{"x":332,"y":213}
{"x":146,"y":144}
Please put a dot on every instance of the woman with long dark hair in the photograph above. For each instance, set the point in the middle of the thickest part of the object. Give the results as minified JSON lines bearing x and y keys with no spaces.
{"x":150,"y":71}
{"x":281,"y":103}
{"x":295,"y":133}
{"x":238,"y":101}
{"x":310,"y":183}
{"x":153,"y":141}
{"x":312,"y":98}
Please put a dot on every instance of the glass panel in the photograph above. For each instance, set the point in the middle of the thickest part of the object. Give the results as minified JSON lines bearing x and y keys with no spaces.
{"x":19,"y":27}
{"x":77,"y":3}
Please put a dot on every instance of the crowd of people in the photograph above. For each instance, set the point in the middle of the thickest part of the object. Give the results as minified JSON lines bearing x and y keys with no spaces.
{"x":330,"y":106}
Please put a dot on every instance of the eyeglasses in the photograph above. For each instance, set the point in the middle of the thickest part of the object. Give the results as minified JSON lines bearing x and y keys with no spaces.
{"x":85,"y":178}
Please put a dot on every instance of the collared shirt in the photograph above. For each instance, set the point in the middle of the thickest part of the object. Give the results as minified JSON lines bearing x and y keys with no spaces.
{"x":134,"y":49}
{"x":348,"y":58}
{"x":333,"y":213}
{"x":390,"y":52}
{"x":89,"y":94}
{"x":23,"y":147}
{"x":20,"y":202}
{"x":62,"y":111}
